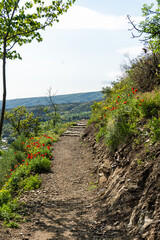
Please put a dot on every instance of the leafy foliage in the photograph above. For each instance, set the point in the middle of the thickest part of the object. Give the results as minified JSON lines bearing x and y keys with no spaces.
{"x":20,"y":23}
{"x":118,"y":117}
{"x":150,"y":26}
{"x":22,"y":121}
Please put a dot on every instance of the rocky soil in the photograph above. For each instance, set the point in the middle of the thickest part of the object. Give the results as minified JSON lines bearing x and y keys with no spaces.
{"x":91,"y":194}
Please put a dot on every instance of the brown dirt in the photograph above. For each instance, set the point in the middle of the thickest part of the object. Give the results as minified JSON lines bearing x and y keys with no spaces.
{"x":70,"y":205}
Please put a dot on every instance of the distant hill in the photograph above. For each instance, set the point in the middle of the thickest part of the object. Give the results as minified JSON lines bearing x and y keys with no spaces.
{"x":59,"y":99}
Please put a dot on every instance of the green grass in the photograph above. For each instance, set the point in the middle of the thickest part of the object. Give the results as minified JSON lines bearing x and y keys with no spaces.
{"x":119,"y":115}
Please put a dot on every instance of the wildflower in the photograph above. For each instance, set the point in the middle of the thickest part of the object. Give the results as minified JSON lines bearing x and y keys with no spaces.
{"x":8,"y":176}
{"x":118,"y":97}
{"x":135,"y":90}
{"x":15,"y":166}
{"x":50,"y":157}
{"x":125,"y":102}
{"x":23,"y":160}
{"x":27,"y":163}
{"x":15,"y":152}
{"x":49,"y":146}
{"x":140,"y":104}
{"x":52,"y":165}
{"x":137,"y":97}
{"x":142,"y":100}
{"x":104,"y":116}
{"x":132,"y":88}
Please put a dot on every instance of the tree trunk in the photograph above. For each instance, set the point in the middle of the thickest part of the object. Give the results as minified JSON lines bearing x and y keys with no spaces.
{"x":4,"y":88}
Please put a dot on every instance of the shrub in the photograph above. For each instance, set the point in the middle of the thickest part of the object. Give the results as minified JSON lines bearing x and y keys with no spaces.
{"x":154,"y":125}
{"x":144,"y":72}
{"x":40,"y":165}
{"x":17,"y":144}
{"x":9,"y":211}
{"x":31,"y":183}
{"x":5,"y":196}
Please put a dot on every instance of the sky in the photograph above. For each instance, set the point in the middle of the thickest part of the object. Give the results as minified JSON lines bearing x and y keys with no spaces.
{"x":84,"y":52}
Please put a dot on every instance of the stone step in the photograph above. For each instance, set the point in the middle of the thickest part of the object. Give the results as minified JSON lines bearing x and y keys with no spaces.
{"x":76,"y":130}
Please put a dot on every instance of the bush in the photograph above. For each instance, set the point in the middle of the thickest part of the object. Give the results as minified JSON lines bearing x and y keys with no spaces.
{"x":144,"y":72}
{"x":15,"y":179}
{"x":9,"y":211}
{"x":17,"y":144}
{"x":154,"y":125}
{"x":40,"y":165}
{"x":5,"y":196}
{"x":31,"y":183}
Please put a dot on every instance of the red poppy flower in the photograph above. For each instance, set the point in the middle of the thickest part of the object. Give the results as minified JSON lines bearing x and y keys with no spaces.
{"x":118,"y":97}
{"x":125,"y":102}
{"x":135,"y":90}
{"x":132,"y":88}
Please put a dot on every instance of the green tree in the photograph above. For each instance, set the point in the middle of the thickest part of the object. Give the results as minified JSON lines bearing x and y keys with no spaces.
{"x":150,"y":26}
{"x":22,"y":121}
{"x":20,"y":22}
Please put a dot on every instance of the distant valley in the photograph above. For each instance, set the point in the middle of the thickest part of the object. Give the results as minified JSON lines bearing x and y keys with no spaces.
{"x":59,"y":99}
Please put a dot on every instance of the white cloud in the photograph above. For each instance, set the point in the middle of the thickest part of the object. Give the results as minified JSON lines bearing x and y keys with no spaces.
{"x":84,"y":18}
{"x":136,"y":50}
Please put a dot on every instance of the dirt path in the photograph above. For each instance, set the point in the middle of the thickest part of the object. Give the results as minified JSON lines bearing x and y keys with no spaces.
{"x":63,"y":207}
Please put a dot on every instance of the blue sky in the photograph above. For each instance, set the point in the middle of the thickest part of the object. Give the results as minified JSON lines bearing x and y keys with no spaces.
{"x":81,"y":53}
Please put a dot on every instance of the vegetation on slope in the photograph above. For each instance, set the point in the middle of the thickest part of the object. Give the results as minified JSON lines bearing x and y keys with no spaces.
{"x":20,"y":166}
{"x":130,"y":111}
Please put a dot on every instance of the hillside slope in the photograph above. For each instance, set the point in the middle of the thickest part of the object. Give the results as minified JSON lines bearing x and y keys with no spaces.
{"x":129,"y":188}
{"x":59,"y":99}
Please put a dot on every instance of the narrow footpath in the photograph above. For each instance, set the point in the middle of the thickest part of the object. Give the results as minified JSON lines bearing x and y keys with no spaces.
{"x":63,"y":208}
